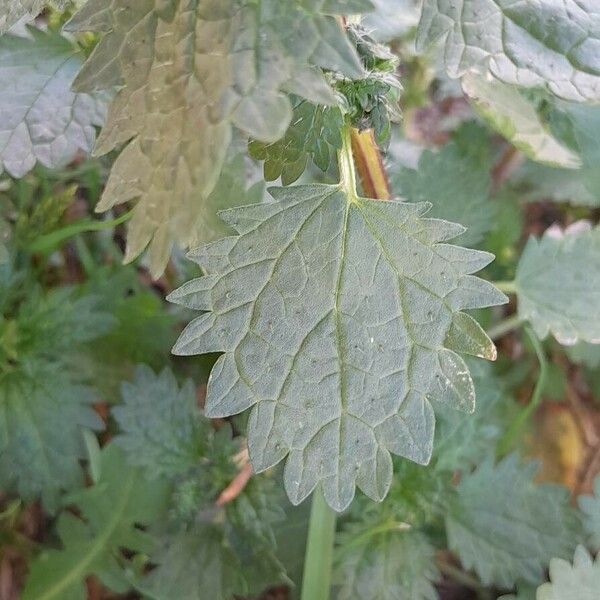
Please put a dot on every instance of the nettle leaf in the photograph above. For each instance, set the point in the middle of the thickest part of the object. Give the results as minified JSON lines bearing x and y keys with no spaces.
{"x":194,"y":565}
{"x":391,"y":565}
{"x":339,"y":318}
{"x":43,"y":407}
{"x":42,"y":417}
{"x":392,"y":19}
{"x":162,"y":427}
{"x":507,"y":528}
{"x":189,"y":73}
{"x":12,"y":11}
{"x":112,"y":512}
{"x":549,"y":43}
{"x":579,"y":581}
{"x":217,"y":560}
{"x":456,"y":181}
{"x":590,"y":506}
{"x":516,"y":118}
{"x":313,"y":134}
{"x":558,"y":281}
{"x":42,"y":120}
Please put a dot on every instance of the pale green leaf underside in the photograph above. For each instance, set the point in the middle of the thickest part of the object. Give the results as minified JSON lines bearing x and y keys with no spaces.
{"x":41,"y":119}
{"x":579,"y":581}
{"x":512,"y":115}
{"x":590,"y":507}
{"x":558,"y":284}
{"x":191,"y":72}
{"x":395,"y":565}
{"x":530,"y":43}
{"x":506,"y":527}
{"x":338,"y":321}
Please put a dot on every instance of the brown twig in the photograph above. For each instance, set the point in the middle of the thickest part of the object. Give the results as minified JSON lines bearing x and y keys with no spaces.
{"x":509,"y":162}
{"x":369,"y":164}
{"x":236,"y":487}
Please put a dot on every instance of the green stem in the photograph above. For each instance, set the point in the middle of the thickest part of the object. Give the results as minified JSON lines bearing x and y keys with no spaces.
{"x":318,"y":559}
{"x":508,"y":287}
{"x":48,"y":242}
{"x":515,"y":428}
{"x":346,"y":165}
{"x":505,"y":326}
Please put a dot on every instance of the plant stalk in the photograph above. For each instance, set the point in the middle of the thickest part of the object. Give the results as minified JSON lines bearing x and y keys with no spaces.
{"x":505,"y":326}
{"x":318,"y":560}
{"x":507,"y":441}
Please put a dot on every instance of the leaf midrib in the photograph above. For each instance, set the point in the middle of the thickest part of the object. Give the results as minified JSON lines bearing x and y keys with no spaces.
{"x":79,"y":571}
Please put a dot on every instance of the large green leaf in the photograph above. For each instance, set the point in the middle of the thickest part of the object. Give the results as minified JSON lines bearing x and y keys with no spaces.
{"x":515,"y":117}
{"x":590,"y":506}
{"x":456,"y":180}
{"x":558,"y":284}
{"x":112,"y":512}
{"x":507,"y":528}
{"x":395,"y":564}
{"x":550,"y":43}
{"x":41,"y":119}
{"x":579,"y":581}
{"x":189,"y":72}
{"x":339,"y":318}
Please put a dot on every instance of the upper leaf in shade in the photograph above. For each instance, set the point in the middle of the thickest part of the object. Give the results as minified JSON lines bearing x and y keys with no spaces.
{"x":506,"y":527}
{"x":189,"y":73}
{"x":516,"y":118}
{"x":313,"y":134}
{"x":111,"y":514}
{"x":41,"y":119}
{"x":590,"y":506}
{"x":339,"y":318}
{"x":456,"y":181}
{"x":390,"y":565}
{"x":579,"y":581}
{"x":534,"y":43}
{"x":558,"y":283}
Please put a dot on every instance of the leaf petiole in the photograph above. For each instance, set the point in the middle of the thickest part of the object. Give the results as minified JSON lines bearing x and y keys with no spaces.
{"x":523,"y":416}
{"x":318,"y":561}
{"x":48,"y":242}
